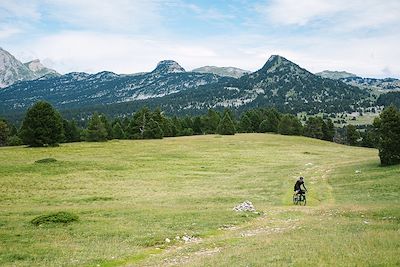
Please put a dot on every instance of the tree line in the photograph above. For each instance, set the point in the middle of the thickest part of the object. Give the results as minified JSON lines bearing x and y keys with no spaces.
{"x":44,"y":126}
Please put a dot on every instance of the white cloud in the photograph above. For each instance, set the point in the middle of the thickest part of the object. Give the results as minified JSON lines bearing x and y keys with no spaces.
{"x":116,"y":15}
{"x":24,"y":9}
{"x":339,"y":14}
{"x":7,"y":31}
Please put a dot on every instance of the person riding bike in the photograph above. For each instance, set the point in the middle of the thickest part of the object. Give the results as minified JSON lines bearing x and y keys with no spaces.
{"x":297,"y":186}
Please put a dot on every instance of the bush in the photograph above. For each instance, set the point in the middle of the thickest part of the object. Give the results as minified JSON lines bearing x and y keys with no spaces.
{"x":54,"y":218}
{"x":14,"y":141}
{"x":46,"y":160}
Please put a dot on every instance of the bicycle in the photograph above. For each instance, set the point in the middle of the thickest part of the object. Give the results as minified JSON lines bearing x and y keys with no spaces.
{"x":299,"y":199}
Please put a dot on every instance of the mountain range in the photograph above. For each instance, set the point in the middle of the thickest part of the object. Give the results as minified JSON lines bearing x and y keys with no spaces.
{"x":279,"y":83}
{"x":12,"y":70}
{"x":381,"y":85}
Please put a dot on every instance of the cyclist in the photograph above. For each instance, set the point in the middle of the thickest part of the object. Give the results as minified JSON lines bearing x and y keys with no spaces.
{"x":297,"y":186}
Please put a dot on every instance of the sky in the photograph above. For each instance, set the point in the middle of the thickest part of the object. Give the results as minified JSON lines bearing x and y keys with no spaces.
{"x":129,"y":36}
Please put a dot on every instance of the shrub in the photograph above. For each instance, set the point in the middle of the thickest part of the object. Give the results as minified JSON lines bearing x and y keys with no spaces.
{"x":54,"y":218}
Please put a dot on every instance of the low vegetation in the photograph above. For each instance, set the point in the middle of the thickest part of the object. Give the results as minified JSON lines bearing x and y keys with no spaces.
{"x":134,"y":198}
{"x":61,"y":217}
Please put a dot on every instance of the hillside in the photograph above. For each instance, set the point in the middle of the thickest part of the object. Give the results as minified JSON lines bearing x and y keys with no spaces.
{"x":223,"y":71}
{"x":131,"y":196}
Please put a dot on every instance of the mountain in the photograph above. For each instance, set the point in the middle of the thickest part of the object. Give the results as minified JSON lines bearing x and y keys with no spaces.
{"x":335,"y":75}
{"x":39,"y":70}
{"x":12,"y":70}
{"x":279,"y":83}
{"x":222,"y":71}
{"x":382,"y":85}
{"x":78,"y":89}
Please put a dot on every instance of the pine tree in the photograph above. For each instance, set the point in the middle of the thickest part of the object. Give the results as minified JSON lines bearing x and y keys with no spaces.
{"x":226,"y":125}
{"x":211,"y":121}
{"x":352,"y":135}
{"x":71,"y":131}
{"x":4,"y":133}
{"x":314,"y":127}
{"x":96,"y":131}
{"x":290,"y":125}
{"x":107,"y":125}
{"x":388,"y":125}
{"x":42,"y":126}
{"x":138,"y":123}
{"x":153,"y":130}
{"x":328,"y":130}
{"x":245,"y":125}
{"x":117,"y":131}
{"x":197,"y":125}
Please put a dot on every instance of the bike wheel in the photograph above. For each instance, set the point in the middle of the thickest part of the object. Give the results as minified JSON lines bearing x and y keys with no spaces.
{"x":303,"y":201}
{"x":295,"y":200}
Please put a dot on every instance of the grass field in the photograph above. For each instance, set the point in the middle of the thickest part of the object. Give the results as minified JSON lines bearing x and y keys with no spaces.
{"x":132,"y":195}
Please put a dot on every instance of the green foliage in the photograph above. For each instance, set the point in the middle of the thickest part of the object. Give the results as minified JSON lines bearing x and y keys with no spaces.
{"x":14,"y":140}
{"x":42,"y":126}
{"x":46,"y":160}
{"x":61,"y":217}
{"x":352,"y":135}
{"x":328,"y":130}
{"x":71,"y":131}
{"x":211,"y":122}
{"x":388,"y":125}
{"x":4,"y":133}
{"x":289,"y":125}
{"x":96,"y":131}
{"x":117,"y":131}
{"x":107,"y":125}
{"x":314,"y":127}
{"x":226,"y":125}
{"x":245,"y":124}
{"x":152,"y":130}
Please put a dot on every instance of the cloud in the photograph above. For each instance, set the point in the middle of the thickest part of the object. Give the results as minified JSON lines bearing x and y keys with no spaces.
{"x":115,"y":15}
{"x":25,"y":9}
{"x":6,"y":31}
{"x":340,"y":14}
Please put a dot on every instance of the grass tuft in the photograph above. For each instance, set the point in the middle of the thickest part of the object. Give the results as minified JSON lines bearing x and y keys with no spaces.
{"x":46,"y":160}
{"x":54,"y":218}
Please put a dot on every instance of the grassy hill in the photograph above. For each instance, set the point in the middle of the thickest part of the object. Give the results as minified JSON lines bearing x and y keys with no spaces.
{"x":132,"y":195}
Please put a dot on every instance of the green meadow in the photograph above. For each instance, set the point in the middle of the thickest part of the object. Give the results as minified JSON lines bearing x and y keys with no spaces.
{"x":134,"y":198}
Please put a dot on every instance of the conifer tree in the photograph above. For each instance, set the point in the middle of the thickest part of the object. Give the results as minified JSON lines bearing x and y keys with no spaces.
{"x":96,"y":131}
{"x":290,"y":125}
{"x":42,"y":126}
{"x":328,"y":130}
{"x":107,"y":125}
{"x":388,"y":126}
{"x":245,"y":125}
{"x":71,"y":131}
{"x":4,"y":133}
{"x":226,"y":125}
{"x":211,"y":121}
{"x":153,"y":130}
{"x":314,"y":127}
{"x":117,"y":131}
{"x":352,"y":135}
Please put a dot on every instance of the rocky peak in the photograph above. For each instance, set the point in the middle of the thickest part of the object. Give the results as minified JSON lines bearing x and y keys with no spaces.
{"x":12,"y":70}
{"x":39,"y":69}
{"x":168,"y":66}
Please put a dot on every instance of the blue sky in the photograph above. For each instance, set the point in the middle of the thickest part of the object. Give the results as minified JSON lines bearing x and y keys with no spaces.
{"x":125,"y":36}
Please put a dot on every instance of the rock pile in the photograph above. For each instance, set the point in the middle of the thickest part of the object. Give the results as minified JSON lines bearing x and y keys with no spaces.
{"x":245,"y":206}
